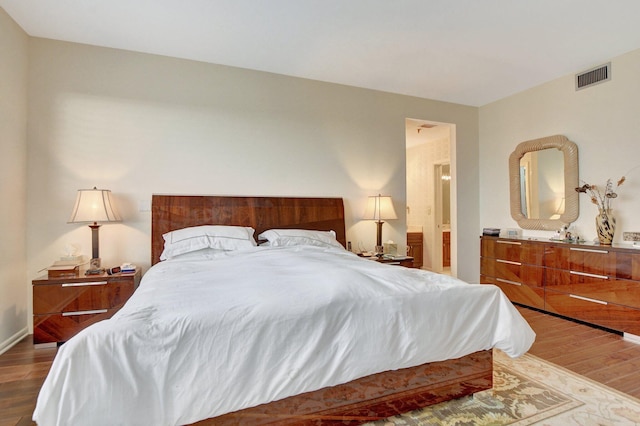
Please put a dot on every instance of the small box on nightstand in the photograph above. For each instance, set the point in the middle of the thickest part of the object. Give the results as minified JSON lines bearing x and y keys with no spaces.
{"x":64,"y":269}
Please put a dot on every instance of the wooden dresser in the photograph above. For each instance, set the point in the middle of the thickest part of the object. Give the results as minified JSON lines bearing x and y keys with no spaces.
{"x":64,"y":306}
{"x":588,"y":282}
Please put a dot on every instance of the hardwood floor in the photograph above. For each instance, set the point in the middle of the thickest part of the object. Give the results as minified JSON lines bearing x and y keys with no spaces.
{"x":599,"y":355}
{"x":602,"y":356}
{"x":22,"y":371}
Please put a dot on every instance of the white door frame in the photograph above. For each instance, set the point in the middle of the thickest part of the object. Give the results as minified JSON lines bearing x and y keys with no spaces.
{"x":436,"y":253}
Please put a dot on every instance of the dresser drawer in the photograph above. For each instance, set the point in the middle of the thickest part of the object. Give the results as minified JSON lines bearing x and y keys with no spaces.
{"x":80,"y":296}
{"x":520,"y":273}
{"x":488,"y":247}
{"x":508,"y":250}
{"x":484,"y":279}
{"x":488,"y":266}
{"x":518,"y":293}
{"x":606,"y":289}
{"x":592,"y":261}
{"x":62,"y":327}
{"x":628,"y":266}
{"x":519,"y":251}
{"x":597,"y":261}
{"x":610,"y":315}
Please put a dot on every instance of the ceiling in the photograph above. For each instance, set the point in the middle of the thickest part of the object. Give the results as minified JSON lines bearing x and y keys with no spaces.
{"x":471,"y":52}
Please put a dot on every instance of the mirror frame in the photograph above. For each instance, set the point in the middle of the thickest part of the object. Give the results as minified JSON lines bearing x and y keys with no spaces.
{"x":571,"y":200}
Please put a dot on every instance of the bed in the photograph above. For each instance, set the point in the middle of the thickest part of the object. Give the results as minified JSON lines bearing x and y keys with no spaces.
{"x":134,"y":369}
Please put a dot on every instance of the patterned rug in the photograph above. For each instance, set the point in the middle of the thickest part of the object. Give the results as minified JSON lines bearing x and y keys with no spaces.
{"x":530,"y":391}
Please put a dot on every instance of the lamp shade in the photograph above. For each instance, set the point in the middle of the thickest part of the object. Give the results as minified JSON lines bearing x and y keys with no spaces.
{"x":380,"y":207}
{"x":94,"y":205}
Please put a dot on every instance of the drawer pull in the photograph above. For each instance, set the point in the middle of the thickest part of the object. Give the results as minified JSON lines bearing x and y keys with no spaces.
{"x":508,"y":282}
{"x":85,"y":284}
{"x":509,"y":262}
{"x":589,"y":250}
{"x":586,"y":299}
{"x":515,"y":243}
{"x":585,"y":274}
{"x":95,"y":311}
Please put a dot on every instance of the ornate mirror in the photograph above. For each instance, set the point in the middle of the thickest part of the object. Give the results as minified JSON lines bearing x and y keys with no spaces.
{"x":543,"y":175}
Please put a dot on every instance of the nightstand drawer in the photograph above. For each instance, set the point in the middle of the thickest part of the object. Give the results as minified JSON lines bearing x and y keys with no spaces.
{"x":62,"y":327}
{"x":80,"y":296}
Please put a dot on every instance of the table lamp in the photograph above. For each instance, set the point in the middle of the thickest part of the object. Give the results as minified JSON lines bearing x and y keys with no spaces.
{"x":93,"y":206}
{"x":379,"y":208}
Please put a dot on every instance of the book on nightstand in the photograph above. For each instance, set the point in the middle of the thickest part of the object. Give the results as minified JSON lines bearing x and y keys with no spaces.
{"x":128,"y":268}
{"x":64,"y":269}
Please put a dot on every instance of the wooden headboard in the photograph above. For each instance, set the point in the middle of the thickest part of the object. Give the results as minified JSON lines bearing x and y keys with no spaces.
{"x":171,"y":212}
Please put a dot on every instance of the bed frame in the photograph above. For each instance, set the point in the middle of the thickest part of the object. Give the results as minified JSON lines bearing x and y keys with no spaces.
{"x":366,"y":399}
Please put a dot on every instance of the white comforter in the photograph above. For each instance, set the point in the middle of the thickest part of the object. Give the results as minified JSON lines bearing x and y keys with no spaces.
{"x":202,"y":338}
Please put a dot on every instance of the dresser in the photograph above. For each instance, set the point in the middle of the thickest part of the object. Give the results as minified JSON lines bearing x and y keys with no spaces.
{"x":587,"y":282}
{"x":64,"y":306}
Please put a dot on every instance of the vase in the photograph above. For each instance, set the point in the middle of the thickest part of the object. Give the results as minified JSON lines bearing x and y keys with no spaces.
{"x":606,"y":226}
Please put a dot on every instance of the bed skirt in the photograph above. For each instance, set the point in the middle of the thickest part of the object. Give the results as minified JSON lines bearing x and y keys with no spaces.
{"x":374,"y":397}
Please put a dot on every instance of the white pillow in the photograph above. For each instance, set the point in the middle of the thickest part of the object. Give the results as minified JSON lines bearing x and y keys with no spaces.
{"x":204,"y":254}
{"x":208,"y":236}
{"x":296,"y":237}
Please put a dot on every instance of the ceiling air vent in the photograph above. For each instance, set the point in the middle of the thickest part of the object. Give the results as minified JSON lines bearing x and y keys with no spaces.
{"x":596,"y":75}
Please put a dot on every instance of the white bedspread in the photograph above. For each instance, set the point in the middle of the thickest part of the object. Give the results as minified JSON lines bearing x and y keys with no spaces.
{"x":202,"y":338}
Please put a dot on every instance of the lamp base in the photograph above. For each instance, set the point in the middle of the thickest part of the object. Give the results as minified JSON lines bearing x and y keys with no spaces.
{"x":379,"y":247}
{"x":94,"y":267}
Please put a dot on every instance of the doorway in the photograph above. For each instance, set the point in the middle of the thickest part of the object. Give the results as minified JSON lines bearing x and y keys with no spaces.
{"x":431,"y":191}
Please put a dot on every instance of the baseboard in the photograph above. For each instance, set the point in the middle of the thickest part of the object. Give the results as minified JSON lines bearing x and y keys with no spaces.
{"x":599,"y":327}
{"x":11,"y":341}
{"x":632,"y":338}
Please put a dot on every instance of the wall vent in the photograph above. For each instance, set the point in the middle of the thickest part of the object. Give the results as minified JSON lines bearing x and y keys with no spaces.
{"x":593,"y":76}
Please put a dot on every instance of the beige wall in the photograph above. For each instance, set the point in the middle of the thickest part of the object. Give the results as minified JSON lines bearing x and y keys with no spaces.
{"x":141,"y":124}
{"x":602,"y":120}
{"x":14,"y":292}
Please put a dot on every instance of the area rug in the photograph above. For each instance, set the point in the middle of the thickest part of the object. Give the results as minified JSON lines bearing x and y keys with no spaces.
{"x":530,"y":391}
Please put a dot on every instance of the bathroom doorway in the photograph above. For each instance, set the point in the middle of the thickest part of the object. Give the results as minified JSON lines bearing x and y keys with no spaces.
{"x":430,"y":191}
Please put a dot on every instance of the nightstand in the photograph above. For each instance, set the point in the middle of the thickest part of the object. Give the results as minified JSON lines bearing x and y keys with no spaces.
{"x":64,"y":306}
